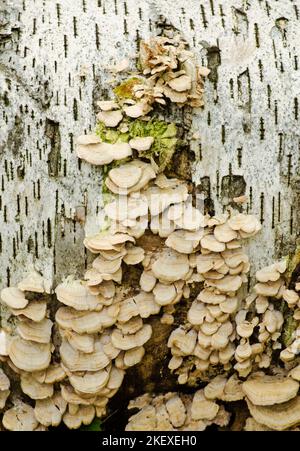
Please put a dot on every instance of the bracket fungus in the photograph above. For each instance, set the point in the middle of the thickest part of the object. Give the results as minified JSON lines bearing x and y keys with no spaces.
{"x":28,"y":355}
{"x":49,"y":411}
{"x":225,"y":320}
{"x":33,"y":282}
{"x":20,"y":418}
{"x":14,"y":298}
{"x":277,"y":417}
{"x":269,"y":390}
{"x":175,"y":412}
{"x":91,"y":149}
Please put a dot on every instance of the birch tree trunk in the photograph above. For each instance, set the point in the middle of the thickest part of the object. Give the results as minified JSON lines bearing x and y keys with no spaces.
{"x":54,"y":63}
{"x":53,"y":67}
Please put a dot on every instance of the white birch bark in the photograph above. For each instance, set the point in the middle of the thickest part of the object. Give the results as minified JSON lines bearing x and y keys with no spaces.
{"x":54,"y":64}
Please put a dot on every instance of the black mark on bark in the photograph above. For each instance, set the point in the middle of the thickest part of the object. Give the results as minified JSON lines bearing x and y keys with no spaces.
{"x":213,"y":62}
{"x":232,"y":186}
{"x":15,"y":137}
{"x":53,"y":133}
{"x":204,"y":188}
{"x":241,"y":24}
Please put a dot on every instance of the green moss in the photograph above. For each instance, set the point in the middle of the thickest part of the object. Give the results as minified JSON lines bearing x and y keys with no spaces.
{"x":165,"y":140}
{"x":290,"y":325}
{"x":110,"y":135}
{"x":293,"y":261}
{"x":125,"y":90}
{"x":96,"y":425}
{"x":162,"y":149}
{"x":154,"y":127}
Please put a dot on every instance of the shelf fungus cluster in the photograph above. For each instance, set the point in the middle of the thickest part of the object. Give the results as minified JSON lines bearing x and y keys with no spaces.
{"x":218,"y":324}
{"x":26,"y":328}
{"x":102,"y":335}
{"x":229,"y":328}
{"x":171,"y":72}
{"x":196,"y":412}
{"x":71,"y":384}
{"x":26,"y":349}
{"x":168,"y":73}
{"x":176,"y":412}
{"x":273,"y":403}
